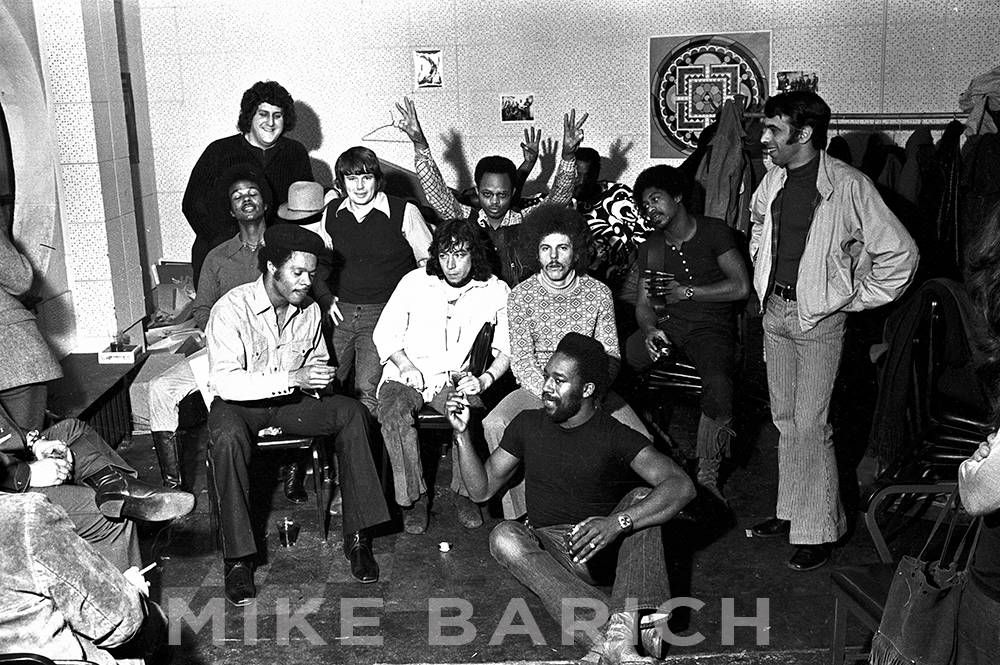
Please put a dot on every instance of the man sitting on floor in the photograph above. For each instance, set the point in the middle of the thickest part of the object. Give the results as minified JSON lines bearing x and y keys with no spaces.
{"x":72,"y":465}
{"x":694,"y":274}
{"x":585,"y":526}
{"x":424,"y":337}
{"x":267,"y":362}
{"x":61,"y":598}
{"x":558,"y":299}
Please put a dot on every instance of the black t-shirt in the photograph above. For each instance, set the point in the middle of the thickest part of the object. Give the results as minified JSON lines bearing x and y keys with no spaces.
{"x":694,"y":263}
{"x":574,"y":473}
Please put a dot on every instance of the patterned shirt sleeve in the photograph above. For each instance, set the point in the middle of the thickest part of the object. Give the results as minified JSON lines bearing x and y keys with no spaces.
{"x":522,"y":350}
{"x":435,"y":190}
{"x":562,"y":186}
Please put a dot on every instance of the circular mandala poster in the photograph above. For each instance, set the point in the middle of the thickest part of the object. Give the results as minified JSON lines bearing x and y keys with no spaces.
{"x":692,"y":77}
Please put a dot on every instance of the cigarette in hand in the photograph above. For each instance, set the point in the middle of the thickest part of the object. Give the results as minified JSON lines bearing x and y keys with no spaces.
{"x":147,"y":568}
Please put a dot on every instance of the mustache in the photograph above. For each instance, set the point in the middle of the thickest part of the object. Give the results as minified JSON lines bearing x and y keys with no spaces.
{"x":548,"y":396}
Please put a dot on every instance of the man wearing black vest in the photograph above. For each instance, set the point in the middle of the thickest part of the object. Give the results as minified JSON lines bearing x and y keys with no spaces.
{"x":496,"y":181}
{"x":373,"y":240}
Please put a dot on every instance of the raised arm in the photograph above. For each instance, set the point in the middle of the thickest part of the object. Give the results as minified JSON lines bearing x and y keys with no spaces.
{"x":437,"y":193}
{"x":562,"y":186}
{"x":530,"y":147}
{"x":482,"y":480}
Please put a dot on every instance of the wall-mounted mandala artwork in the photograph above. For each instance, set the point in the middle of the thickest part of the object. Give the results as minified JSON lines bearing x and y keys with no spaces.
{"x":692,"y":76}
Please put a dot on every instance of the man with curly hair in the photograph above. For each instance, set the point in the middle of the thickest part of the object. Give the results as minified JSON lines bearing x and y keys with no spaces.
{"x":424,"y":340}
{"x":267,"y":111}
{"x":559,"y":298}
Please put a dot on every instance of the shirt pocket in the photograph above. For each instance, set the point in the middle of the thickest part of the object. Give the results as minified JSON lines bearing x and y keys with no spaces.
{"x":293,"y":354}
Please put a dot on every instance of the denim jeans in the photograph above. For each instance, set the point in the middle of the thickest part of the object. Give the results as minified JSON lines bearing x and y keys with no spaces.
{"x":397,"y":406}
{"x":354,"y":349}
{"x":540,"y":559}
{"x":495,"y":423}
{"x":801,"y":369}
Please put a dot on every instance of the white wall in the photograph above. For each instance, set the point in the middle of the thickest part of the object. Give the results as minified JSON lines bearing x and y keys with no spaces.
{"x":350,"y":61}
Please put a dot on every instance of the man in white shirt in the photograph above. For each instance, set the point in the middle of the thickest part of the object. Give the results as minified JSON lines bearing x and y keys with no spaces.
{"x":424,"y":338}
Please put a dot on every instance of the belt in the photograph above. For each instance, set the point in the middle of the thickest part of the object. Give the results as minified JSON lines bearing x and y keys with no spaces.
{"x":784,"y":291}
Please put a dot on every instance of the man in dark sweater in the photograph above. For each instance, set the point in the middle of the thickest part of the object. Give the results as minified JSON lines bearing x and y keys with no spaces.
{"x":373,"y":240}
{"x":267,"y":111}
{"x":693,"y":274}
{"x":588,"y":523}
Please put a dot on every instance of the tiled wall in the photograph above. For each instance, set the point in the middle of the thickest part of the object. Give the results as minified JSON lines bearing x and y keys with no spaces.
{"x":350,"y":61}
{"x":78,"y":47}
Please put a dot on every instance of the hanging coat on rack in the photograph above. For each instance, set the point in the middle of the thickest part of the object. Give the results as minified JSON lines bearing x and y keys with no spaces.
{"x":725,"y":173}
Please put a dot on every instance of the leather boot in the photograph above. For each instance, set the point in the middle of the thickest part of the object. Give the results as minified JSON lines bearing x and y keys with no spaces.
{"x":120,"y":496}
{"x":714,"y":440}
{"x":165,"y":444}
{"x":293,"y":478}
{"x":358,"y":550}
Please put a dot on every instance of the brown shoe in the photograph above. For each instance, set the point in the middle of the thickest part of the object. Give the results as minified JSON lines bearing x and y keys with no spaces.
{"x":416,"y":517}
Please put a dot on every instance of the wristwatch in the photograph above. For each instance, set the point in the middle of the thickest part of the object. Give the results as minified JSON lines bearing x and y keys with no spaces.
{"x":689,"y":292}
{"x":625,"y":522}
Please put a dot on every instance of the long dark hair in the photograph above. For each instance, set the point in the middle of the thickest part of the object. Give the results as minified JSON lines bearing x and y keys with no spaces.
{"x":456,"y":232}
{"x":983,"y":281}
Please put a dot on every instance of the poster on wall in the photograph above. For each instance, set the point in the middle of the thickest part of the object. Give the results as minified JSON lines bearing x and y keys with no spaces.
{"x":692,"y":76}
{"x":517,"y":108}
{"x":427,"y":68}
{"x":789,"y":81}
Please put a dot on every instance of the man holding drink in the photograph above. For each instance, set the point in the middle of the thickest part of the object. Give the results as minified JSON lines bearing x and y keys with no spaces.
{"x":693,"y":273}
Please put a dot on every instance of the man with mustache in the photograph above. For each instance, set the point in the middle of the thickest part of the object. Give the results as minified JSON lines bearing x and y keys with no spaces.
{"x":823,"y":244}
{"x":693,"y":274}
{"x":588,"y":523}
{"x":559,"y":298}
{"x":424,"y":340}
{"x":228,"y":265}
{"x":496,"y":182}
{"x":268,"y":363}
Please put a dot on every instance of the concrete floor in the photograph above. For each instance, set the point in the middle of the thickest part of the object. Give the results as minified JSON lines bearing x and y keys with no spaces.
{"x":307,"y":596}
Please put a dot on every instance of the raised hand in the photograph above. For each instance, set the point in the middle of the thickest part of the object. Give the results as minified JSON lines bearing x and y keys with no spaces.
{"x":531,"y":145}
{"x":572,"y":133}
{"x":409,"y":124}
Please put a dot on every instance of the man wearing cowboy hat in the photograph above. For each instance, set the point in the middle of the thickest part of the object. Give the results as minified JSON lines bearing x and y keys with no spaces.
{"x":268,"y":363}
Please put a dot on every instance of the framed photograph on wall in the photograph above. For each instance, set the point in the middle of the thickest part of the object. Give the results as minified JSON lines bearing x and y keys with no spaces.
{"x":517,"y":107}
{"x":427,"y":68}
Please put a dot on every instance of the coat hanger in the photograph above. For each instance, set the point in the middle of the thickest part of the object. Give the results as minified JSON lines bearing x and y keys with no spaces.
{"x":395,"y":137}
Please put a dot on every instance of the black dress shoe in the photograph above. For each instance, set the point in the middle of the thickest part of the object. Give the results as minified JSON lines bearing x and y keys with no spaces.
{"x":809,"y":557}
{"x":122,"y":496}
{"x":239,"y":583}
{"x":772,"y":528}
{"x":294,"y":476}
{"x":358,"y":550}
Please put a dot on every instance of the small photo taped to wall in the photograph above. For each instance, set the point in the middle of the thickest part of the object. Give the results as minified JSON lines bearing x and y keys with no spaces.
{"x":517,"y":108}
{"x":427,"y":68}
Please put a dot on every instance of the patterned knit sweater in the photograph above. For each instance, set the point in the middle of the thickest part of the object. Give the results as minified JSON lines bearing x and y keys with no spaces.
{"x":539,"y":320}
